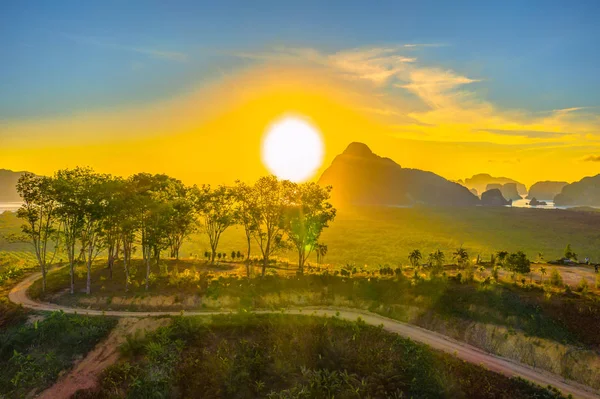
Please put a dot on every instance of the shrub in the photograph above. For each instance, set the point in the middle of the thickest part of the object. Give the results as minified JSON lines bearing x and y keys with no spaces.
{"x":583,"y":286}
{"x":555,"y":278}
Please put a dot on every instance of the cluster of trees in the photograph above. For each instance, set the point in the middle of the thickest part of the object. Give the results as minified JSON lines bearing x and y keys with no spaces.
{"x":85,"y":213}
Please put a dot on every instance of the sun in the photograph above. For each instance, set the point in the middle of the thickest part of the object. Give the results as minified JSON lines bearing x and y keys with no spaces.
{"x":292,"y":149}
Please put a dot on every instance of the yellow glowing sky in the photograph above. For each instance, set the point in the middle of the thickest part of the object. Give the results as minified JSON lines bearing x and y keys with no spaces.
{"x":213,"y":134}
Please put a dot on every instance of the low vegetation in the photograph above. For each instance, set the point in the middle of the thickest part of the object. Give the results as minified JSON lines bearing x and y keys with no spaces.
{"x":32,"y":355}
{"x":282,"y":356}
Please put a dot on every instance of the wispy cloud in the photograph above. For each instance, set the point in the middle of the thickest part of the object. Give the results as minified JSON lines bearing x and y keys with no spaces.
{"x":152,"y":52}
{"x":592,"y":158}
{"x":526,"y":133}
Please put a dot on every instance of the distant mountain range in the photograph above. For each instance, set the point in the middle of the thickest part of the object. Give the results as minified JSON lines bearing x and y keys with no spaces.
{"x":8,"y":185}
{"x":585,"y":192}
{"x":481,"y":181}
{"x":546,"y":190}
{"x":360,"y":177}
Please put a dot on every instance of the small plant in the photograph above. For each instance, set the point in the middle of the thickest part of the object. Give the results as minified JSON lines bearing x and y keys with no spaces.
{"x":555,"y":278}
{"x":583,"y":286}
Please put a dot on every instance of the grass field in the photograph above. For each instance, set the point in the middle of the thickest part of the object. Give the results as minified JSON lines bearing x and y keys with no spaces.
{"x":282,"y":356}
{"x":374,"y":236}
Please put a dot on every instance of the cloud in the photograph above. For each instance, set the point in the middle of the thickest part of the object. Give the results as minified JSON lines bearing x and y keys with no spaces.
{"x":592,"y":158}
{"x":525,"y":133}
{"x":155,"y":53}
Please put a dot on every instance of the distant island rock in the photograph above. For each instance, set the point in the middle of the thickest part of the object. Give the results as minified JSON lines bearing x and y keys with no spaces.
{"x":494,"y":197}
{"x":546,"y":190}
{"x":8,"y":185}
{"x":508,"y":190}
{"x":585,"y":192}
{"x":360,"y":177}
{"x":480,"y":182}
{"x":535,"y":202}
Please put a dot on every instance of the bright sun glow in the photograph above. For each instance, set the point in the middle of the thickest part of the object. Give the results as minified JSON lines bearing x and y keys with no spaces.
{"x":292,"y":149}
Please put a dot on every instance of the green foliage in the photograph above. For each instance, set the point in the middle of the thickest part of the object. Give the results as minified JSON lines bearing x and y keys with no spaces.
{"x":583,"y":286}
{"x":555,"y":278}
{"x":518,"y":263}
{"x":569,"y":253}
{"x":14,"y":265}
{"x":282,"y":356}
{"x":32,"y":356}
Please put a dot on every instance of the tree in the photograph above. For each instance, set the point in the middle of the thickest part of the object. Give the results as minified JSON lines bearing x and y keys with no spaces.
{"x":321,"y":252}
{"x":233,"y":255}
{"x":307,"y":213}
{"x":68,"y":190}
{"x":518,"y":263}
{"x":267,"y":210}
{"x":39,"y":215}
{"x":154,"y":195}
{"x":244,"y":196}
{"x":461,"y":256}
{"x":501,"y":255}
{"x":183,"y":217}
{"x":217,"y":213}
{"x":436,"y":260}
{"x":93,"y":207}
{"x":569,"y":254}
{"x":415,"y":257}
{"x":542,"y":273}
{"x":128,"y":222}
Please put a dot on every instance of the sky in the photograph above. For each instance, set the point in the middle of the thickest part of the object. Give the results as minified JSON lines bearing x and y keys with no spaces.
{"x":510,"y":88}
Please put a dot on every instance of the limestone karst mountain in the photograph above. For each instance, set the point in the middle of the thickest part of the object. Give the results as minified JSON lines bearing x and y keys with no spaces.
{"x":360,"y":177}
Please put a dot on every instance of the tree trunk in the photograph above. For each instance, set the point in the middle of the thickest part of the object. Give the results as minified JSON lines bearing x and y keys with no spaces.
{"x":212,"y":256}
{"x":300,"y":262}
{"x":88,"y":287}
{"x":126,"y":267}
{"x":43,"y":278}
{"x":147,"y":269}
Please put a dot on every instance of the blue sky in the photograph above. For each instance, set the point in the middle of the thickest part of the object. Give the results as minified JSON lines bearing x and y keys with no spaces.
{"x":65,"y":57}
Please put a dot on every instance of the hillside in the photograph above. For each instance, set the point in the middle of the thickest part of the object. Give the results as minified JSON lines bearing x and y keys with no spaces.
{"x":546,"y":190}
{"x":481,"y":181}
{"x":360,"y":177}
{"x":8,"y":182}
{"x":585,"y":192}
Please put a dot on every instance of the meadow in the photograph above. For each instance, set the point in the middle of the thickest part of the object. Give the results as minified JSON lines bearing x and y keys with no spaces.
{"x":379,"y":236}
{"x":282,"y":356}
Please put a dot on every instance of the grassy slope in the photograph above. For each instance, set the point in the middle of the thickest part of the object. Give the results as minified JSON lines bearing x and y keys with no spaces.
{"x":282,"y":356}
{"x":374,"y":236}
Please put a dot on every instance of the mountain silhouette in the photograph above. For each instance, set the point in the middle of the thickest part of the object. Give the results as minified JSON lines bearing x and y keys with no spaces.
{"x":481,"y":181}
{"x":546,"y":190}
{"x":8,"y":185}
{"x":360,"y":177}
{"x":583,"y":192}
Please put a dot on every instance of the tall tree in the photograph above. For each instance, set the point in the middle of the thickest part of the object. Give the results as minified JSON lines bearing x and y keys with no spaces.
{"x":244,"y":196}
{"x":267,"y":212}
{"x":128,"y":223}
{"x":217,"y":213}
{"x":182,"y":222}
{"x":94,"y":193}
{"x":307,"y":213}
{"x":39,"y":215}
{"x":68,"y":185}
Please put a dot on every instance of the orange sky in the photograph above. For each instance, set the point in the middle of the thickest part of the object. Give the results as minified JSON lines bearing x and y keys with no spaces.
{"x":213,"y":134}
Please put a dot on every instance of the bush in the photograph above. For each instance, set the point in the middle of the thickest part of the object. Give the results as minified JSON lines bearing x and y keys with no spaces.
{"x":555,"y":278}
{"x":583,"y":286}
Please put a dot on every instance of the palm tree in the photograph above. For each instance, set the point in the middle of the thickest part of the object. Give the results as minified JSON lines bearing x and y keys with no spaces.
{"x":542,"y":273}
{"x":415,"y":257}
{"x":461,"y":256}
{"x":321,"y":252}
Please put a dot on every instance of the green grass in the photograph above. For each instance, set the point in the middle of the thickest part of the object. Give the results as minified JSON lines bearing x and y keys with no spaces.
{"x":282,"y":356}
{"x":33,"y":355}
{"x":374,"y":236}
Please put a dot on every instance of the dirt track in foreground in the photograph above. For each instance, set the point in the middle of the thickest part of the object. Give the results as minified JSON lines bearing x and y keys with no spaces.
{"x":463,"y":351}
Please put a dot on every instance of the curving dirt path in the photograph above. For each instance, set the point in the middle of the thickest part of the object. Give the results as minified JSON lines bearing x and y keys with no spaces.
{"x":435,"y":340}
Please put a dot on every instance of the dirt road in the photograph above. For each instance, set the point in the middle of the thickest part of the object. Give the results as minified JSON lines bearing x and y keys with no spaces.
{"x":463,"y":351}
